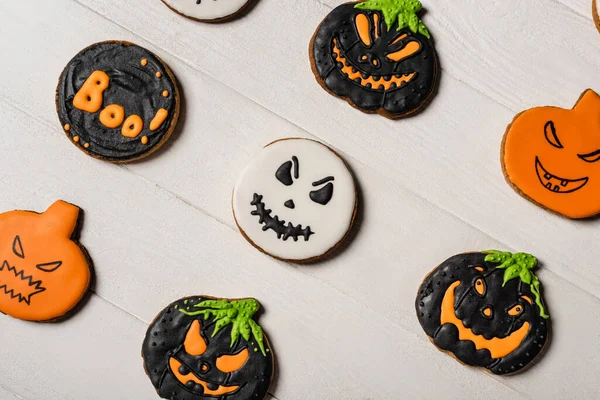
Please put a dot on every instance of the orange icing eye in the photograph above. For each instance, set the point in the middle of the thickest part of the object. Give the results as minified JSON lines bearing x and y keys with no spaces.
{"x":515,"y":310}
{"x":230,"y":363}
{"x":479,"y":286}
{"x":549,"y":156}
{"x":363,"y":28}
{"x":411,"y":48}
{"x":194,"y":343}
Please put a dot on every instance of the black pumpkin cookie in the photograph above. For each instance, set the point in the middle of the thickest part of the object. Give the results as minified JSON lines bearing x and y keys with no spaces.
{"x":117,"y":101}
{"x":486,"y":309}
{"x":377,"y":55}
{"x":205,"y":348}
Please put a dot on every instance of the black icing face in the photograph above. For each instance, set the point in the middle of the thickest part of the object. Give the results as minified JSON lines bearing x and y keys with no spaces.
{"x":186,"y":362}
{"x":376,"y":69}
{"x":117,"y":101}
{"x":466,"y":308}
{"x":288,"y":174}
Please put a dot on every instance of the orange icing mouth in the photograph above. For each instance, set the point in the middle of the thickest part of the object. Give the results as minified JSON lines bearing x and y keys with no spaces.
{"x":386,"y":82}
{"x":183,"y":379}
{"x":498,"y":347}
{"x":556,"y":184}
{"x":17,"y":285}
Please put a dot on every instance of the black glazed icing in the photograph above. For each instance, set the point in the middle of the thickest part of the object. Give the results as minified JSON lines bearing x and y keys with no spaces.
{"x":165,"y":338}
{"x":461,"y":268}
{"x":133,"y":86}
{"x":339,"y":24}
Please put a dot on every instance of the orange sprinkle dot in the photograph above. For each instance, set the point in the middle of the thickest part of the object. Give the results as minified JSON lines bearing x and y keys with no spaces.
{"x":76,"y":139}
{"x":165,"y":93}
{"x":158,"y":74}
{"x":67,"y":127}
{"x":144,"y":62}
{"x":87,"y":145}
{"x":144,"y":140}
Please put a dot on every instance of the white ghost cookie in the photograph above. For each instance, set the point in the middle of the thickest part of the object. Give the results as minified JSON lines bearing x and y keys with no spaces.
{"x":207,"y":10}
{"x":296,"y":200}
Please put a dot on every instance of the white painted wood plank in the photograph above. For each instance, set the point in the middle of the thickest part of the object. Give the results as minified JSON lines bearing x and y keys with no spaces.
{"x":412,"y":152}
{"x":402,"y":234}
{"x":180,"y":251}
{"x":93,"y":355}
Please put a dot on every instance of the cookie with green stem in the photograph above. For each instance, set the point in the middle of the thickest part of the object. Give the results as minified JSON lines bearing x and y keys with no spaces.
{"x":202,"y":347}
{"x":486,"y":309}
{"x":377,"y":55}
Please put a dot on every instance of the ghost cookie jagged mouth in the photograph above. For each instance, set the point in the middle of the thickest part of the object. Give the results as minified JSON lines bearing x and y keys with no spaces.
{"x":282,"y":230}
{"x":556,"y":184}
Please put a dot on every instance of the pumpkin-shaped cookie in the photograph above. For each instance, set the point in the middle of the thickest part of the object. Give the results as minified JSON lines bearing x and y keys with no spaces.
{"x":486,"y":309}
{"x":43,"y":272}
{"x":551,"y":156}
{"x":377,"y":55}
{"x":202,"y":348}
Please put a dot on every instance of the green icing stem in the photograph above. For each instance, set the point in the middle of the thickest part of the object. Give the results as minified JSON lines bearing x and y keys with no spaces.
{"x":518,"y":265}
{"x":404,"y":12}
{"x":237,"y":313}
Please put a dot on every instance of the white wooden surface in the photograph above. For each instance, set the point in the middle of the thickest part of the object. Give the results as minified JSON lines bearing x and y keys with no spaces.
{"x":431,"y":186}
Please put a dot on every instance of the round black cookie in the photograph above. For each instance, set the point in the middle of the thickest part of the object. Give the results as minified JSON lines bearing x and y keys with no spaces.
{"x":486,"y":309}
{"x":206,"y":348}
{"x":391,"y":70}
{"x":117,"y":101}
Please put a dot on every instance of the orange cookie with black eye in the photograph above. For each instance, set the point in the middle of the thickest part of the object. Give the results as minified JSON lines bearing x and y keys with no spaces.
{"x":117,"y":101}
{"x":551,"y":156}
{"x":202,"y":348}
{"x":377,"y":55}
{"x":485,"y":309}
{"x":44,"y":272}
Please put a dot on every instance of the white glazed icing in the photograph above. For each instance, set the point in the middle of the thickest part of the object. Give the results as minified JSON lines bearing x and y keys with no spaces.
{"x":207,"y":9}
{"x":329,"y":222}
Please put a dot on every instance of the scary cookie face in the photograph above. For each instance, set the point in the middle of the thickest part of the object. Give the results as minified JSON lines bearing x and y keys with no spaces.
{"x":486,"y":309}
{"x":43,"y":273}
{"x":207,"y":10}
{"x":296,"y":200}
{"x":117,"y":101}
{"x":203,"y":348}
{"x":377,"y":62}
{"x":552,"y":156}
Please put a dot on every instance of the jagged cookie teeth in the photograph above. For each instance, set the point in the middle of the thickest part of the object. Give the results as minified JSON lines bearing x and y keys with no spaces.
{"x":564,"y":183}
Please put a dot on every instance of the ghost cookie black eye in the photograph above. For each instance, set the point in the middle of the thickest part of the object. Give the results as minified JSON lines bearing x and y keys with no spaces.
{"x":324,"y":194}
{"x":551,"y":136}
{"x":284,"y":172}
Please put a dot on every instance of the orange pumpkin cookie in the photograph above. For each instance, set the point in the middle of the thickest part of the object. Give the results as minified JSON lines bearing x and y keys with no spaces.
{"x":43,"y":271}
{"x":551,"y":156}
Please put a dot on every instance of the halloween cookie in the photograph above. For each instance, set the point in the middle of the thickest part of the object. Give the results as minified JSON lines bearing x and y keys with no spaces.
{"x":551,"y":157}
{"x":595,"y":13}
{"x":205,"y":348}
{"x":377,"y":55}
{"x":43,"y":271}
{"x":486,"y":309}
{"x":296,"y":200}
{"x":117,"y":101}
{"x":208,"y":10}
